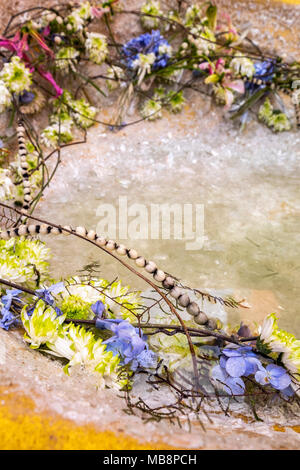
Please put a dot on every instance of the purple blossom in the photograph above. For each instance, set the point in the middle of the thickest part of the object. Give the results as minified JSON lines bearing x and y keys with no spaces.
{"x":8,"y":319}
{"x":274,"y":375}
{"x":146,"y":44}
{"x":264,"y":71}
{"x":46,"y":294}
{"x":232,"y":385}
{"x":98,"y":308}
{"x":240,"y":361}
{"x":146,"y":359}
{"x":127,"y":342}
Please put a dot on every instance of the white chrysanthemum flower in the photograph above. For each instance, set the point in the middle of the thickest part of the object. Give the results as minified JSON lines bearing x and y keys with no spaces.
{"x":6,"y":185}
{"x":5,"y":96}
{"x":279,"y":122}
{"x":65,"y":58}
{"x":151,"y":7}
{"x":96,"y":47}
{"x":87,"y":293}
{"x":193,"y":14}
{"x":242,"y":66}
{"x":75,"y":21}
{"x":83,"y":113}
{"x":16,"y":76}
{"x":20,"y":258}
{"x":151,"y":110}
{"x":62,"y":346}
{"x":120,"y":301}
{"x":203,"y":39}
{"x":291,"y":359}
{"x":55,"y":134}
{"x":42,"y":326}
{"x":281,"y":342}
{"x":13,"y":272}
{"x":269,"y":325}
{"x":85,"y":11}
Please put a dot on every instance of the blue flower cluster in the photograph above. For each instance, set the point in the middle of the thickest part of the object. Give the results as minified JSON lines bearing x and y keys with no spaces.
{"x":264,"y":71}
{"x":146,"y":44}
{"x":8,"y":319}
{"x":126,"y":341}
{"x":46,"y":294}
{"x":242,"y":362}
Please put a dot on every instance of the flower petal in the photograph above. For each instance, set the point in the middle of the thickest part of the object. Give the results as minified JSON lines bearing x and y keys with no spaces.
{"x":236,"y":366}
{"x":282,"y":382}
{"x":234,"y":386}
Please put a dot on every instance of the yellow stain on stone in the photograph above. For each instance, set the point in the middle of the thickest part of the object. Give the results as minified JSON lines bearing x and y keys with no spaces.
{"x":21,"y":428}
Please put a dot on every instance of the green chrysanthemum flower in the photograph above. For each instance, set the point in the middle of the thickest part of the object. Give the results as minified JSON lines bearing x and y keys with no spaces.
{"x":279,"y":341}
{"x":74,"y":307}
{"x":192,"y":15}
{"x":42,"y":326}
{"x":119,"y":301}
{"x":151,"y":7}
{"x":16,"y":76}
{"x":273,"y":118}
{"x":96,"y":47}
{"x":151,"y":110}
{"x":175,"y":101}
{"x":21,"y":259}
{"x":83,"y":113}
{"x":85,"y":11}
{"x":265,"y":111}
{"x":81,"y":348}
{"x":279,"y":122}
{"x":55,"y":134}
{"x":65,"y":58}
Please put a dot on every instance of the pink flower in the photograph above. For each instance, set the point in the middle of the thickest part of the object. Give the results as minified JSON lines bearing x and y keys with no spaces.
{"x":17,"y":45}
{"x":48,"y":76}
{"x":98,"y":13}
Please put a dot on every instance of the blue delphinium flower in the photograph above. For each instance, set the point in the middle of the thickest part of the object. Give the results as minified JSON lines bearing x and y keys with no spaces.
{"x":46,"y":295}
{"x":145,"y":44}
{"x":274,"y":375}
{"x":264,"y":71}
{"x":98,"y":308}
{"x":235,"y":363}
{"x":8,"y":319}
{"x":126,"y":341}
{"x":232,"y":385}
{"x":240,"y":361}
{"x":147,"y":359}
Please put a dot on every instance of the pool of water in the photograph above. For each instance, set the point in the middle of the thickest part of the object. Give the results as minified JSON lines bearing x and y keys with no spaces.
{"x":247,"y":182}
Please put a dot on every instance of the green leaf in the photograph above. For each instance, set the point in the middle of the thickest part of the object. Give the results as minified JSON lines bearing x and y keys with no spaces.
{"x":250,"y":102}
{"x":211,"y":14}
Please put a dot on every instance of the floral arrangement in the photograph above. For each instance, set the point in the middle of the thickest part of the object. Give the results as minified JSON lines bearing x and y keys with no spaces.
{"x":49,"y":64}
{"x":44,"y":68}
